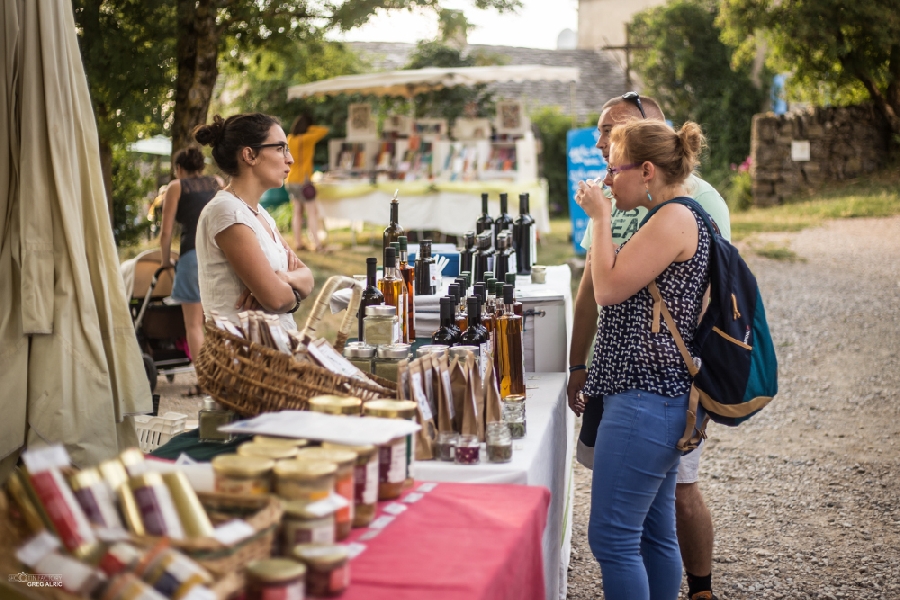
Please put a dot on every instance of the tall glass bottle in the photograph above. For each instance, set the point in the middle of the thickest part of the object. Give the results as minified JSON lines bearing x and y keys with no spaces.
{"x":524,"y":238}
{"x":393,"y":288}
{"x":485,"y":256}
{"x":371,"y":294}
{"x":462,"y":318}
{"x":448,"y":334}
{"x":475,"y":334}
{"x":511,"y":363}
{"x":408,"y":276}
{"x":467,"y":253}
{"x":504,"y":261}
{"x":517,"y":306}
{"x":504,"y":222}
{"x":485,"y":222}
{"x":425,"y":270}
{"x":393,"y":230}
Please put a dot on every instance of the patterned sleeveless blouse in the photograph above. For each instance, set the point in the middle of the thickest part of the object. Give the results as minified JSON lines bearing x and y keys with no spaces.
{"x":628,"y":355}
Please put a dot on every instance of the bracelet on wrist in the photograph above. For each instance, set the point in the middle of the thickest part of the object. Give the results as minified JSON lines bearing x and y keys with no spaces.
{"x":297,"y":304}
{"x":574,"y":368}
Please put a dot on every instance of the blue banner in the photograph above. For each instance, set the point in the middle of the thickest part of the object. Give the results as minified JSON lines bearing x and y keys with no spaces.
{"x":583,"y":161}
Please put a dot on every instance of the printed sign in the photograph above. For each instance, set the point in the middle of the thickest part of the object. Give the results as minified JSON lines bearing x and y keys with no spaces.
{"x":583,"y":161}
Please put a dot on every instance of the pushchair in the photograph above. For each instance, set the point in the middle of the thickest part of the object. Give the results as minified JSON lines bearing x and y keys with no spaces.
{"x":159,"y":326}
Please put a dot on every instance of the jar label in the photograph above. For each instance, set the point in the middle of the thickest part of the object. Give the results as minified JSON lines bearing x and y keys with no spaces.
{"x":255,"y":486}
{"x":370,"y":483}
{"x":301,"y":534}
{"x":392,"y":462}
{"x":287,"y":591}
{"x":340,"y":579}
{"x":344,"y":487}
{"x":435,"y":275}
{"x":448,"y":392}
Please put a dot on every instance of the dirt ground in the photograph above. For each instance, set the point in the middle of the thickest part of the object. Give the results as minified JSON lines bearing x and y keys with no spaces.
{"x":805,"y":497}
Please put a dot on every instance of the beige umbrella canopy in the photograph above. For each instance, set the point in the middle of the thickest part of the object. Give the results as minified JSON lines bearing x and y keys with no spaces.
{"x":70,"y":366}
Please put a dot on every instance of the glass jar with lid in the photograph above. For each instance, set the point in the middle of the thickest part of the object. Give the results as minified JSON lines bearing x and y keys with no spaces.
{"x":435,"y":349}
{"x":267,"y":450}
{"x":514,"y":415}
{"x":381,"y":325}
{"x":345,"y":461}
{"x":498,"y":442}
{"x":446,"y":445}
{"x":299,"y":525}
{"x":274,"y":578}
{"x":304,"y":480}
{"x":460,"y":353}
{"x":212,"y":416}
{"x":360,"y":355}
{"x":243,"y":474}
{"x":365,"y":482}
{"x":336,"y":405}
{"x":395,"y":458}
{"x":327,"y":569}
{"x":468,"y":450}
{"x":387,"y":360}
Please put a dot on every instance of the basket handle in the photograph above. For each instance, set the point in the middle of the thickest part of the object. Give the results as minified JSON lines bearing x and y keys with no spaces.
{"x":322,"y":303}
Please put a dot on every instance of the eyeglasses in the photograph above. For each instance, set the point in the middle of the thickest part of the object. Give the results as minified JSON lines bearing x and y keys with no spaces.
{"x":636,"y":98}
{"x":282,"y":146}
{"x":613,"y":171}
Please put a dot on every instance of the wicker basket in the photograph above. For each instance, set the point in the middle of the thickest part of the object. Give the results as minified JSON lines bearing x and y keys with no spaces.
{"x":251,"y":379}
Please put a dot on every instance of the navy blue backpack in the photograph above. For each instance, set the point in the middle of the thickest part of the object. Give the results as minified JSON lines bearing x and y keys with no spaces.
{"x":733,"y":361}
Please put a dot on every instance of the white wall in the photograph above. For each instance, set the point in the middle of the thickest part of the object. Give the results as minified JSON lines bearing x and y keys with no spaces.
{"x":602,"y":22}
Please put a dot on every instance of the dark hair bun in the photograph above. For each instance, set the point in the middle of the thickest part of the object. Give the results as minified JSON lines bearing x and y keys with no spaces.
{"x":210,"y":135}
{"x":190,"y":159}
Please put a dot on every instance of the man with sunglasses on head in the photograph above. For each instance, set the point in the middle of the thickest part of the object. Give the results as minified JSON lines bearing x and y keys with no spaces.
{"x":693,"y":521}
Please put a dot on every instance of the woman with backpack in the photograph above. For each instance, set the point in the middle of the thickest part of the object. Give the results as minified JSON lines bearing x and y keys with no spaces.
{"x":641,"y":374}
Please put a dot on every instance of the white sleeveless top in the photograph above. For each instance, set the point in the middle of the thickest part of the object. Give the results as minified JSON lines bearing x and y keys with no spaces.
{"x":220,"y":286}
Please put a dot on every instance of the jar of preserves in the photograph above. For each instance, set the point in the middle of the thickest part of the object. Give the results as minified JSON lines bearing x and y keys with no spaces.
{"x":243,"y":474}
{"x":345,"y":461}
{"x":381,"y":325}
{"x":360,"y":355}
{"x":301,"y":526}
{"x":468,"y":450}
{"x":304,"y":480}
{"x":327,"y":569}
{"x":387,"y":360}
{"x":395,"y":458}
{"x":336,"y":405}
{"x":365,"y":482}
{"x":274,"y":579}
{"x":514,"y":415}
{"x":279,"y":441}
{"x":435,"y":349}
{"x":498,"y":442}
{"x":446,"y":445}
{"x":267,"y":450}
{"x":155,"y":505}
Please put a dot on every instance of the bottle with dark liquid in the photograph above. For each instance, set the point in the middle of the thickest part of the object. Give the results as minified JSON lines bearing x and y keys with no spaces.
{"x":393,"y":230}
{"x":462,"y":317}
{"x":467,"y":254}
{"x":393,"y":288}
{"x":475,"y":334}
{"x":524,"y":238}
{"x":448,"y":334}
{"x":407,"y":274}
{"x":504,"y":261}
{"x":485,"y":256}
{"x":504,"y":222}
{"x":517,"y":306}
{"x":487,"y":318}
{"x":484,"y":222}
{"x":371,"y":294}
{"x":425,"y":270}
{"x":511,"y":363}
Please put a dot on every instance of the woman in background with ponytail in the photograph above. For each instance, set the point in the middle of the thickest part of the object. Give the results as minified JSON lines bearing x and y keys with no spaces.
{"x":640,"y":374}
{"x":244,"y":262}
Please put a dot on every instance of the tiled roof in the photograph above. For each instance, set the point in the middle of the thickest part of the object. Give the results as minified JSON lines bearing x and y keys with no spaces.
{"x":600,"y":76}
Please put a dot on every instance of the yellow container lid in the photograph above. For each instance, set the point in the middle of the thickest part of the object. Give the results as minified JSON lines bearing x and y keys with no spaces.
{"x":320,"y":556}
{"x":232,"y":464}
{"x":341,"y":457}
{"x":335,"y":405}
{"x":304,"y":470}
{"x":390,"y":409}
{"x":266,"y":450}
{"x":275,"y":570}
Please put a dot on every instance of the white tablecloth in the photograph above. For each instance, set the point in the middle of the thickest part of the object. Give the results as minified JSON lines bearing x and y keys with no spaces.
{"x":543,"y":457}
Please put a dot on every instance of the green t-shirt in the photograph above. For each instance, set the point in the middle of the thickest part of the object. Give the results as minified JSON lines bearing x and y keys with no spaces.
{"x":624,"y":224}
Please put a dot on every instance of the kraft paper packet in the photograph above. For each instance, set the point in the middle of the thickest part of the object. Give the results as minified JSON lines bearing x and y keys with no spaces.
{"x":425,"y":436}
{"x":435,"y":382}
{"x":476,"y":390}
{"x":459,"y":383}
{"x":445,"y":396}
{"x":470,"y":421}
{"x":403,"y":380}
{"x":493,"y":409}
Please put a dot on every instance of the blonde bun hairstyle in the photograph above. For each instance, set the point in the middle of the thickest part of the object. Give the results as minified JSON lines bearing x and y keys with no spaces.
{"x":675,"y":154}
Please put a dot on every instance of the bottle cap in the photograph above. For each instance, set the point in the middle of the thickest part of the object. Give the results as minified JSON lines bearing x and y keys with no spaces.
{"x":511,"y":278}
{"x":425,"y":249}
{"x":453,"y":292}
{"x":470,"y":240}
{"x":402,"y":243}
{"x":473,"y":302}
{"x":509,"y":293}
{"x":390,"y":258}
{"x":485,"y":239}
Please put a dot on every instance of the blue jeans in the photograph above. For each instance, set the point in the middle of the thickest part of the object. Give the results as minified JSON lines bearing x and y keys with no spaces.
{"x":632,"y":526}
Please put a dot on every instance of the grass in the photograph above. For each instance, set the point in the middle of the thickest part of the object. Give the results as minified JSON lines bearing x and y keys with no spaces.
{"x":776,"y":252}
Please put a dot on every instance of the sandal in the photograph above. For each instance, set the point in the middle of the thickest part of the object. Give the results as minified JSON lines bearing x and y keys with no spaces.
{"x":193,"y":392}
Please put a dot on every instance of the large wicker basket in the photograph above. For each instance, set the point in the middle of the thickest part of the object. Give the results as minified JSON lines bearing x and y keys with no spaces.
{"x":252,"y":379}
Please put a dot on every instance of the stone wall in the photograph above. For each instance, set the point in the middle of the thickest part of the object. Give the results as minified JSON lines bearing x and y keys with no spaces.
{"x":844,"y":143}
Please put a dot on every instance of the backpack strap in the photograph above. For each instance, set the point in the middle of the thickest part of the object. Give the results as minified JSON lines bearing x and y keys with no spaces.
{"x":691,"y":204}
{"x":693,"y":435}
{"x":660,"y":307}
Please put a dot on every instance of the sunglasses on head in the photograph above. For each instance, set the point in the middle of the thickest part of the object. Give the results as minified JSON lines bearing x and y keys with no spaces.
{"x":636,"y":99}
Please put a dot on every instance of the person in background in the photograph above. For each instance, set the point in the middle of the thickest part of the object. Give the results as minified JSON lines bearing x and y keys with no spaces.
{"x":244,"y":262}
{"x":639,"y":375}
{"x":694,"y":522}
{"x":184,"y":200}
{"x":302,"y":142}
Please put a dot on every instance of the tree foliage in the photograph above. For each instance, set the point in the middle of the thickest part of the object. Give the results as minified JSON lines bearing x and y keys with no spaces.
{"x":831,"y":47}
{"x":687,"y":69}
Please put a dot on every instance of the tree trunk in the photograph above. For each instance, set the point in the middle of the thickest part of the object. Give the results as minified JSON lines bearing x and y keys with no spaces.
{"x":196,"y":53}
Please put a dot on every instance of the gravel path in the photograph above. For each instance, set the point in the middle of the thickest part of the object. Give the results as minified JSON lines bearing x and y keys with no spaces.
{"x":805,"y":496}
